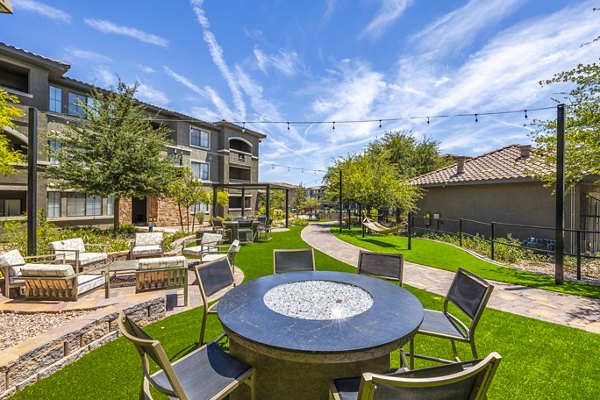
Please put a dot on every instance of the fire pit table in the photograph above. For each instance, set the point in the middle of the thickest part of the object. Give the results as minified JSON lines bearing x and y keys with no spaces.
{"x":300,"y":330}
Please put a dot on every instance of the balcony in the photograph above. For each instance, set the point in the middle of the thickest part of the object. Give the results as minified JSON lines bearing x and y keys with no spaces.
{"x":240,"y":158}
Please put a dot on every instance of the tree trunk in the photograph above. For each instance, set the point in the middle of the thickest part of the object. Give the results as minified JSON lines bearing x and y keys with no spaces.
{"x":180,"y":215}
{"x":194,"y":219}
{"x":117,"y":215}
{"x":187,"y":218}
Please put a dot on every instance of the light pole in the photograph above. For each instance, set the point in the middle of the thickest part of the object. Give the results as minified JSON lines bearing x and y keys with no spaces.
{"x":5,"y":7}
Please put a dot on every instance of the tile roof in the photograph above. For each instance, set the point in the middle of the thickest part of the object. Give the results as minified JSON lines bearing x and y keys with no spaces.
{"x":505,"y":164}
{"x":31,"y":55}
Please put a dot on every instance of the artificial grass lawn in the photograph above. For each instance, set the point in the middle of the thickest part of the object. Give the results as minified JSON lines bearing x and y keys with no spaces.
{"x":444,"y":256}
{"x":540,"y":360}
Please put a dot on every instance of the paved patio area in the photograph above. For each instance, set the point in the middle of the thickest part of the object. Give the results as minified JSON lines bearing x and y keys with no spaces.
{"x":575,"y":311}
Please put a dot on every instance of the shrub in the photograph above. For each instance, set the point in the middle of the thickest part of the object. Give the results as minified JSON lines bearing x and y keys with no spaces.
{"x":127,"y":229}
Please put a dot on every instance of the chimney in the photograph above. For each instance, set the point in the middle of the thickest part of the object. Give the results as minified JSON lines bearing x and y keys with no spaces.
{"x":525,"y":150}
{"x":460,"y":164}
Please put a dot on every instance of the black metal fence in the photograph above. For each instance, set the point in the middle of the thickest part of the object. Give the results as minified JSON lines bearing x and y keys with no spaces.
{"x":579,"y":243}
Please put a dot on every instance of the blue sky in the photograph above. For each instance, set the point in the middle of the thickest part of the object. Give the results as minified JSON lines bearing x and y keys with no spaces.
{"x":329,"y":60}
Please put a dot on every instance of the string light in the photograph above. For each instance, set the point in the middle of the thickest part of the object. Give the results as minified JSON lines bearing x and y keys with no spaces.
{"x":476,"y":119}
{"x":288,"y":126}
{"x":333,"y":125}
{"x":525,"y":114}
{"x":380,"y":123}
{"x":427,"y":120}
{"x":243,"y":126}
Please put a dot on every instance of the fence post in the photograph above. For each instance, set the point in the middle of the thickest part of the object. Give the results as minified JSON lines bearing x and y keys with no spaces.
{"x":410,"y":224}
{"x":493,"y":238}
{"x":460,"y":231}
{"x":578,"y":255}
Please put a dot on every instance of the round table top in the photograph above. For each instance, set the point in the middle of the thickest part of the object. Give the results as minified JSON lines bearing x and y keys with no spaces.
{"x":394,"y":315}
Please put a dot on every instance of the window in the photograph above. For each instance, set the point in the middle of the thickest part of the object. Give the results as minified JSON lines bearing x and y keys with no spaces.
{"x":76,"y":103}
{"x":235,"y":202}
{"x":53,"y":204}
{"x":53,"y":146}
{"x":55,"y":104}
{"x":110,"y":205}
{"x":10,"y":207}
{"x":75,"y":205}
{"x":200,"y":170}
{"x":200,"y":207}
{"x":93,"y":205}
{"x":199,"y":138}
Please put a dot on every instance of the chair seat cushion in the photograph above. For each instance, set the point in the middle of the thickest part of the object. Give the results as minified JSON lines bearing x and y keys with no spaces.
{"x":47,"y":270}
{"x":87,"y":258}
{"x":347,"y":387}
{"x":163,"y":262}
{"x":86,"y":283}
{"x":13,"y":260}
{"x":197,"y":251}
{"x":145,"y":250}
{"x":438,"y":323}
{"x":205,"y":372}
{"x":212,"y":257}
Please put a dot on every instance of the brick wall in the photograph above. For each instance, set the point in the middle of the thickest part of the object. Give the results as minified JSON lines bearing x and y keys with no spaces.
{"x":168,"y":213}
{"x":125,"y":210}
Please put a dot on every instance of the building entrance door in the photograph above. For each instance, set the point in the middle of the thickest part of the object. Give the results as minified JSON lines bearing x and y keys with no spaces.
{"x":138,"y":210}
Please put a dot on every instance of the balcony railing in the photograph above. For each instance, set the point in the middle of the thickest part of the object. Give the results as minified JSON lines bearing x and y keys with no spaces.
{"x":239,"y":158}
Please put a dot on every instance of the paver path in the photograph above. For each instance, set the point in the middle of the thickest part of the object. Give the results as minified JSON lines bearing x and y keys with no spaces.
{"x":575,"y":311}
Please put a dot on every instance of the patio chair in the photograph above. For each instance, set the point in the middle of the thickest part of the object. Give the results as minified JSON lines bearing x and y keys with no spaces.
{"x":11,"y":263}
{"x":460,"y":381}
{"x":208,"y":243}
{"x":206,"y":373}
{"x":390,"y":266}
{"x":162,"y":274}
{"x":234,"y":248}
{"x":263,"y":230}
{"x":293,"y":260}
{"x":470,"y":294}
{"x":147,"y":244}
{"x":77,"y":254}
{"x":218,"y":227}
{"x":212,"y":277}
{"x":245,"y":231}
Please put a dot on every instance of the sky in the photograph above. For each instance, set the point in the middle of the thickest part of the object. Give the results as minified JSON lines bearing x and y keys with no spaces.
{"x":315,"y":62}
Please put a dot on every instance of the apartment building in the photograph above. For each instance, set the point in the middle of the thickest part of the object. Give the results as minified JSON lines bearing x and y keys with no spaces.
{"x":219,"y":152}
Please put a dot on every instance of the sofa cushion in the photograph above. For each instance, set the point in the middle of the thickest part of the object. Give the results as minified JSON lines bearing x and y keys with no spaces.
{"x":88,"y":282}
{"x":146,"y":250}
{"x":163,"y":262}
{"x":87,"y":258}
{"x":47,"y":270}
{"x":194,"y":251}
{"x":148,"y":239}
{"x":11,"y":259}
{"x":213,"y":257}
{"x":59,"y":246}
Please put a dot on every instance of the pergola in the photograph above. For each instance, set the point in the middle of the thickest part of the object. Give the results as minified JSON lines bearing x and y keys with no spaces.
{"x":259,"y":185}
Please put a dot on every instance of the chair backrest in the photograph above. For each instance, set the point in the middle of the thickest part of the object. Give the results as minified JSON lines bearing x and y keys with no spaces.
{"x":148,"y":238}
{"x":150,"y":348}
{"x":59,"y":246}
{"x":293,"y":260}
{"x":244,"y":223}
{"x":380,"y":264}
{"x":11,"y":258}
{"x":216,"y":222}
{"x":469,"y":293}
{"x":460,"y":381}
{"x":213,"y":276}
{"x":232,"y":252}
{"x":209,"y":237}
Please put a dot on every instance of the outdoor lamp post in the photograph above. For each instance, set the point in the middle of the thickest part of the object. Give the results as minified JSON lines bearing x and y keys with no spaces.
{"x":5,"y":7}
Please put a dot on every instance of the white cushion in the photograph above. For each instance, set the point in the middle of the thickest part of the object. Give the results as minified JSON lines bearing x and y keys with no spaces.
{"x":58,"y":270}
{"x":88,"y":282}
{"x":144,"y":250}
{"x":68,"y":244}
{"x":148,"y":239}
{"x":87,"y":258}
{"x":11,"y":259}
{"x":209,"y":237}
{"x":213,"y":257}
{"x":163,"y":262}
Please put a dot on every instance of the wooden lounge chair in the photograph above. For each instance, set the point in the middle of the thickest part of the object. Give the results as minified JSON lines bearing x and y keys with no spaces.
{"x":162,"y":274}
{"x":207,"y":244}
{"x":76,"y":252}
{"x":460,"y":381}
{"x":470,"y":294}
{"x":212,"y":277}
{"x":293,"y":260}
{"x":207,"y":373}
{"x":389,"y":266}
{"x":147,"y":244}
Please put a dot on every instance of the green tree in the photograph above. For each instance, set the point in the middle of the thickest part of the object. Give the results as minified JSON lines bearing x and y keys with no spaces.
{"x":311,"y":204}
{"x":114,"y":150}
{"x":410,"y":156}
{"x":8,"y":156}
{"x":372,"y":180}
{"x":299,"y":197}
{"x":582,"y":126}
{"x":187,"y":191}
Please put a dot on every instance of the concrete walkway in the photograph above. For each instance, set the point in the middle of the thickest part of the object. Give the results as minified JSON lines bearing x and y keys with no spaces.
{"x":575,"y":311}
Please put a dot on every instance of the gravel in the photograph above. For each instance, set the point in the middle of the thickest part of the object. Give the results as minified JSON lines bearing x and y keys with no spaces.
{"x":17,"y":327}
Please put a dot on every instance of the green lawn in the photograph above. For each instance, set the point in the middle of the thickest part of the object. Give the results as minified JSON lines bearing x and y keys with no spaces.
{"x":540,"y":360}
{"x":444,"y":256}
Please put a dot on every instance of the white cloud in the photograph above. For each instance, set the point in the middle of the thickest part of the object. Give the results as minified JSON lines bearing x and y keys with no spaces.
{"x":106,"y":78}
{"x":42,"y":9}
{"x":146,"y":69}
{"x":216,"y":53}
{"x":86,"y":55}
{"x":222,"y":107}
{"x":285,"y":61}
{"x":109,"y":27}
{"x":184,"y":81}
{"x":151,"y":95}
{"x":389,"y":12}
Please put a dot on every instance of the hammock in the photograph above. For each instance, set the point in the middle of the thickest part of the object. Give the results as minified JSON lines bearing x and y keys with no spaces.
{"x":376,"y":227}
